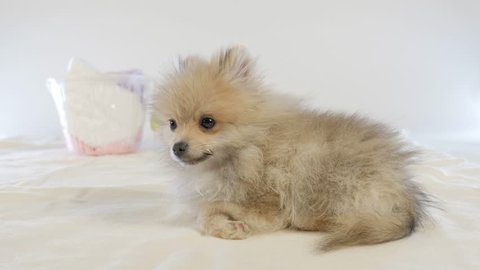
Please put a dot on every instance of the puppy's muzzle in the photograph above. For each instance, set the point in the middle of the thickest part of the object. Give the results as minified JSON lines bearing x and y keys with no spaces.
{"x":180,"y":148}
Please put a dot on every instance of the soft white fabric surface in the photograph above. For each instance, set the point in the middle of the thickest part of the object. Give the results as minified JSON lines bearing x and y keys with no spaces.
{"x":60,"y":211}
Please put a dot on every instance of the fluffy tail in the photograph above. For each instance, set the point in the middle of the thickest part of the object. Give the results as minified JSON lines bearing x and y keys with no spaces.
{"x":367,"y":233}
{"x":378,"y":228}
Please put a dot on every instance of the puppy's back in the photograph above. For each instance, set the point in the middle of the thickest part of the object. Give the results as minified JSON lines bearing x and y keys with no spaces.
{"x":346,"y":175}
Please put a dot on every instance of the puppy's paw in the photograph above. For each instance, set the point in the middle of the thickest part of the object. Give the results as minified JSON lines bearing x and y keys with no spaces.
{"x":228,"y":229}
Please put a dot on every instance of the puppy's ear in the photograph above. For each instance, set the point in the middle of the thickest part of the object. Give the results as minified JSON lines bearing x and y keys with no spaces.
{"x":234,"y":62}
{"x":189,"y":62}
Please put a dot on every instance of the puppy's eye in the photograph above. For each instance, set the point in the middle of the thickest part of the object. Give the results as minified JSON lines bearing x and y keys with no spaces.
{"x":173,"y":124}
{"x":207,"y":122}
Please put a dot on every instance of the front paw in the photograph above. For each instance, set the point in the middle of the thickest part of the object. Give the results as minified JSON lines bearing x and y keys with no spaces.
{"x":228,"y":229}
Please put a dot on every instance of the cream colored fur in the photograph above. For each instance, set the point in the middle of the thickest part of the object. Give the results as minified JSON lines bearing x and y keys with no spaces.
{"x":273,"y":165}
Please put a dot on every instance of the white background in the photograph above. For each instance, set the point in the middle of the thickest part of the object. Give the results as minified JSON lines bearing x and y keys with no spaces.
{"x":412,"y":64}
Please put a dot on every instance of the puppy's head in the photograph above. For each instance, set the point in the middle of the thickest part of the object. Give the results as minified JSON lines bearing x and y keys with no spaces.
{"x":206,"y":109}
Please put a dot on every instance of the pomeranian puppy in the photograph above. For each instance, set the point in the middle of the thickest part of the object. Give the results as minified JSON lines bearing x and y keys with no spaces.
{"x":255,"y":162}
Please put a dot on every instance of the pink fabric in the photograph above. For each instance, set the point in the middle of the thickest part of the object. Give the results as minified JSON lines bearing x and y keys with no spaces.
{"x":117,"y":148}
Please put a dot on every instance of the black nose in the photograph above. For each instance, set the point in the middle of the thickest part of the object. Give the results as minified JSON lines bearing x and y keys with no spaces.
{"x":180,"y":148}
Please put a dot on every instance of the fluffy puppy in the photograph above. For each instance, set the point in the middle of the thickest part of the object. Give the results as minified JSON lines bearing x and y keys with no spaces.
{"x":254,"y":162}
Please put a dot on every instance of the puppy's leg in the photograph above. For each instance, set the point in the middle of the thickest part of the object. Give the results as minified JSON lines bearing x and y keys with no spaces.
{"x":234,"y":221}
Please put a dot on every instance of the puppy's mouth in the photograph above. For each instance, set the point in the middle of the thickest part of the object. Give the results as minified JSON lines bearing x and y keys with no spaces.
{"x":193,"y":161}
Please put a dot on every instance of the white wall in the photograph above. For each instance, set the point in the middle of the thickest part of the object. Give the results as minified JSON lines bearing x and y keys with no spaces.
{"x":414,"y":64}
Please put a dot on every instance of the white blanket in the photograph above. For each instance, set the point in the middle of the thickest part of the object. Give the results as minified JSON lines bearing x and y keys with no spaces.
{"x":60,"y":211}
